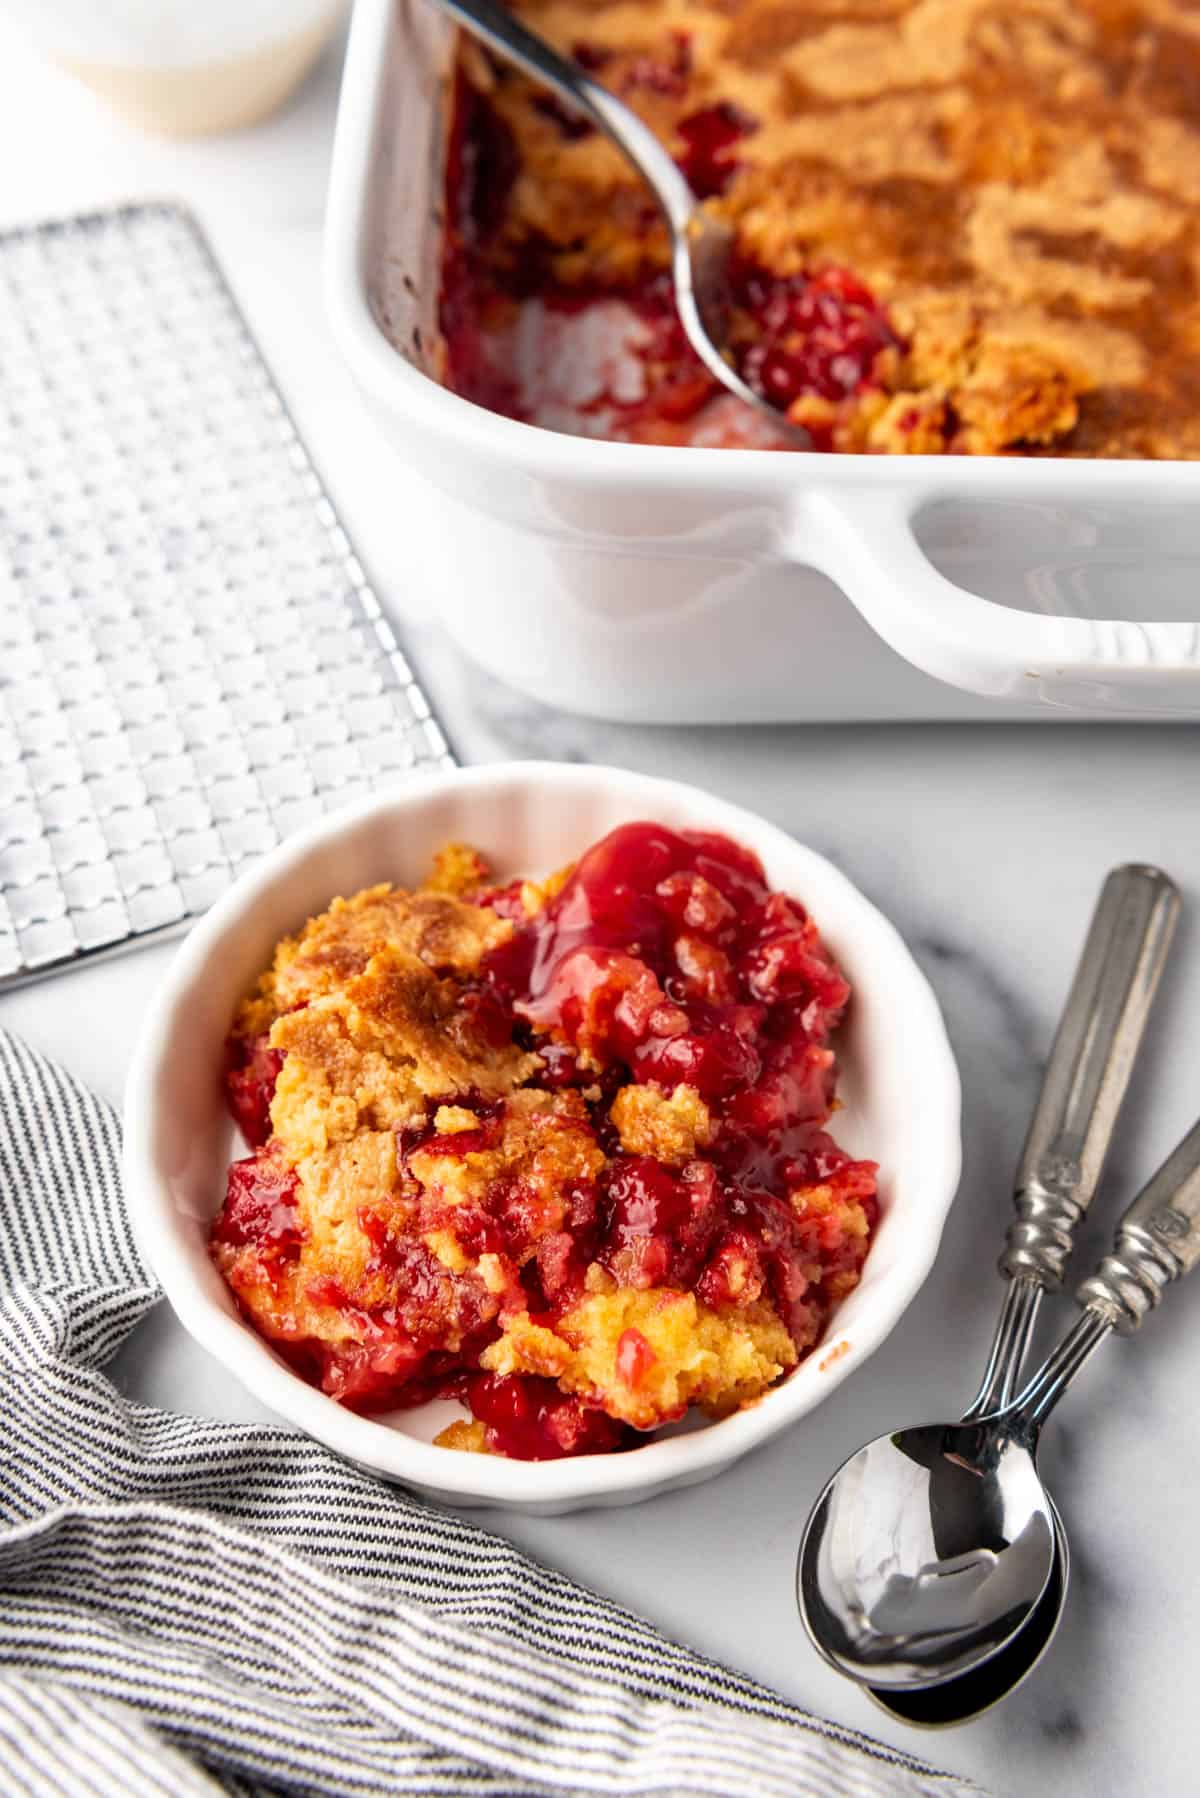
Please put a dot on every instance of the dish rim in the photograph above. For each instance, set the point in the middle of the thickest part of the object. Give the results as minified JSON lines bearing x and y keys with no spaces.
{"x":658,"y":1464}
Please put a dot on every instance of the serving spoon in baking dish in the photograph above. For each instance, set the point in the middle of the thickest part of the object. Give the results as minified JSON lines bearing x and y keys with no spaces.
{"x":701,"y":244}
{"x":929,"y":1550}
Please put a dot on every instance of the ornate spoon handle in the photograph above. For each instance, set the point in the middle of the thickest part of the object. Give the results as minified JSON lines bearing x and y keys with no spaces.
{"x":1157,"y":1241}
{"x":1090,"y":1063}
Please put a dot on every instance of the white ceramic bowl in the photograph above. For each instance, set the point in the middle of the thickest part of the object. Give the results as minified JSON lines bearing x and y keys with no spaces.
{"x":900,"y":1087}
{"x":179,"y":69}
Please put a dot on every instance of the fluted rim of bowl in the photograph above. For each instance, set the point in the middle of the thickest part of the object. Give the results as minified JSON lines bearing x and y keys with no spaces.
{"x":570,"y":1482}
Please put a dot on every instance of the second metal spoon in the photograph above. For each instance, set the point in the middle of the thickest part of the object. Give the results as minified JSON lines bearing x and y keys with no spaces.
{"x":1157,"y":1241}
{"x":897,"y":1587}
{"x":961,"y":1699}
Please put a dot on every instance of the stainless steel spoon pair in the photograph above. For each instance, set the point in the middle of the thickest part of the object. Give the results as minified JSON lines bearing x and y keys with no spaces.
{"x":934,"y":1566}
{"x":701,"y":243}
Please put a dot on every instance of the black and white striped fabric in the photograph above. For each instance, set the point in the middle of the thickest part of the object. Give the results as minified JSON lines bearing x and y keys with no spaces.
{"x":190,"y":1607}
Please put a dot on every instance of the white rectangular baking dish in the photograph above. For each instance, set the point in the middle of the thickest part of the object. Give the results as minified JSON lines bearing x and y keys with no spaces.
{"x":678,"y":585}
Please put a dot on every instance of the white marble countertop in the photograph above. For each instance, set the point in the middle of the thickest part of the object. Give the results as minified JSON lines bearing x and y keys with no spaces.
{"x":986,"y":845}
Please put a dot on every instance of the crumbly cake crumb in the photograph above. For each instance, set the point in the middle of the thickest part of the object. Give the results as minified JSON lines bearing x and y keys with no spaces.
{"x":649,"y":1355}
{"x":338,"y":944}
{"x":458,"y":870}
{"x":470,"y":1437}
{"x":668,"y":1126}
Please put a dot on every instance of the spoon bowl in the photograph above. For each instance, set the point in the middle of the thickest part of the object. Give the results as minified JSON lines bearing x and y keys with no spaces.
{"x":933,"y":1547}
{"x":961,"y":1700}
{"x":967,"y":1553}
{"x":930,"y":1549}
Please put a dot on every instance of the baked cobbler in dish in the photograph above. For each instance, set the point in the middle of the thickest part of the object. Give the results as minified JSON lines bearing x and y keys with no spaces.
{"x":556,"y":1150}
{"x":962,"y":225}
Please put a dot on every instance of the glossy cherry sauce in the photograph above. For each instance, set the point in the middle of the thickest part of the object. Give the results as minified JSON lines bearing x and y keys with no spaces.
{"x":666,"y":958}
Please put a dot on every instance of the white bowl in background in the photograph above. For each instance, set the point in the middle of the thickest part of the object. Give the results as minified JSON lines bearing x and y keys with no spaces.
{"x":899,"y":1086}
{"x":178,"y":69}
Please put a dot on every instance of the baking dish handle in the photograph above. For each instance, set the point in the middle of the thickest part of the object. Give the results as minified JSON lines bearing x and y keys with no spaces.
{"x":865,"y":541}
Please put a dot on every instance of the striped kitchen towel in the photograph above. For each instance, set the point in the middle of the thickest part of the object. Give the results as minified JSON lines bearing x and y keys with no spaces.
{"x":193,"y":1607}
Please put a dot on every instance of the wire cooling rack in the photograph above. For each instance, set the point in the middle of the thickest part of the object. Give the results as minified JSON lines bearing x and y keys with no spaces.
{"x":192,"y":662}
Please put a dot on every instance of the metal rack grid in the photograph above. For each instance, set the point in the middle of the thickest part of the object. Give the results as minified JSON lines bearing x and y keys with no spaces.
{"x":192,"y":662}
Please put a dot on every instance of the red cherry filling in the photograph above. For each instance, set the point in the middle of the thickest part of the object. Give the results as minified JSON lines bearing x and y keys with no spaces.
{"x":398,"y":1343}
{"x":623,"y":965}
{"x":592,"y":57}
{"x":260,"y":1206}
{"x":635,"y":1358}
{"x":481,"y":166}
{"x":652,"y":1225}
{"x":531,"y":1420}
{"x":251,"y":1070}
{"x":707,"y":158}
{"x":813,"y":333}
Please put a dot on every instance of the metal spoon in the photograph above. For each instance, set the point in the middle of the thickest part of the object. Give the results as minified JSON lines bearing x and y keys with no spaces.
{"x":700,"y":243}
{"x":967,"y":1695}
{"x":895,"y":1594}
{"x":960,"y":1700}
{"x":1158,"y":1240}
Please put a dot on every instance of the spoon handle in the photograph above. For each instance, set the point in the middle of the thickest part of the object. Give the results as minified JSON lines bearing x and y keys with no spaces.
{"x":1085,"y":1081}
{"x":1157,"y":1241}
{"x":1090,"y":1063}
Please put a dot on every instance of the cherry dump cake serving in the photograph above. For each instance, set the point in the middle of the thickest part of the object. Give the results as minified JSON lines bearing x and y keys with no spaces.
{"x":557,"y":1151}
{"x":961,"y":225}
